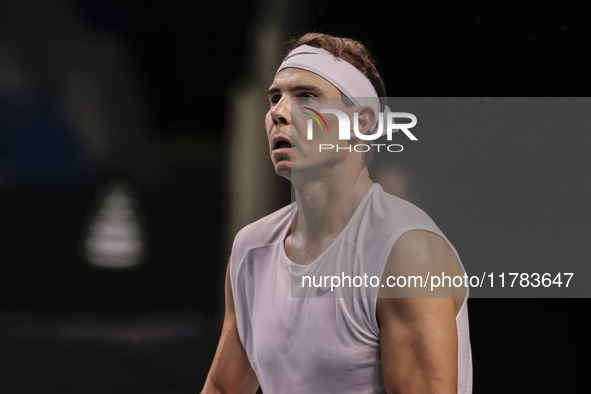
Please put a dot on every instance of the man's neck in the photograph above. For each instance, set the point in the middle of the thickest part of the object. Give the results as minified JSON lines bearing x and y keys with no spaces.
{"x":325,"y":206}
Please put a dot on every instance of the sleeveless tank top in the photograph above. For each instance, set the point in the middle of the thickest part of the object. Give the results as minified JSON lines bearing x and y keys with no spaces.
{"x":323,"y":345}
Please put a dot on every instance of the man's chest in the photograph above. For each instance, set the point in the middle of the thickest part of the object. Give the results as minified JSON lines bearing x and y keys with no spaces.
{"x":318,"y":336}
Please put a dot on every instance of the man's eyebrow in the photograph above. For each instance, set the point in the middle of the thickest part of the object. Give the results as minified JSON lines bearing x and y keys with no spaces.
{"x":311,"y":88}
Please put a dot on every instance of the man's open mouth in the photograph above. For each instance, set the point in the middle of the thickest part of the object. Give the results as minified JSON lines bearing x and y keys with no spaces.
{"x":281,"y":144}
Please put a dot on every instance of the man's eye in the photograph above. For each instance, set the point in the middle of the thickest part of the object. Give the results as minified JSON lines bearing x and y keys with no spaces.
{"x":274,"y":99}
{"x":306,"y":98}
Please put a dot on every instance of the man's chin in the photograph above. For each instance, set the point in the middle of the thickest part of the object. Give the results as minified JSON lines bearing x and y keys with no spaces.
{"x":283,"y":168}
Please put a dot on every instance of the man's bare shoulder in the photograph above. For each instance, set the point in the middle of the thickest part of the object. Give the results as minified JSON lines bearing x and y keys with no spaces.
{"x":421,"y":246}
{"x":419,"y":252}
{"x":423,"y":255}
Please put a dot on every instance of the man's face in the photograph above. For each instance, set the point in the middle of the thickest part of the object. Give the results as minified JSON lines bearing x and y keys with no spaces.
{"x":306,"y":86}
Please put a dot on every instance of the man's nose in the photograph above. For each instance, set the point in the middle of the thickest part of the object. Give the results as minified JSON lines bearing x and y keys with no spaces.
{"x":281,"y":112}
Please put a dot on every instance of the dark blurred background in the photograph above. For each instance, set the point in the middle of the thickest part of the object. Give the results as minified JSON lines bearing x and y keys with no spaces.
{"x":132,"y":149}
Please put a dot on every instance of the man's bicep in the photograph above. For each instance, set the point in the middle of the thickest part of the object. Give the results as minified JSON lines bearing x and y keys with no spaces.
{"x":230,"y":370}
{"x":418,"y":345}
{"x":418,"y":334}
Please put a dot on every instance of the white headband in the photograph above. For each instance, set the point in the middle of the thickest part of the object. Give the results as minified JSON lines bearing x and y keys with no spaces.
{"x":342,"y":74}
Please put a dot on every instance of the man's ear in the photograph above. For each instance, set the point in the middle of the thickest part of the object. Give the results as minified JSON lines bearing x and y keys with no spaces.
{"x":366,"y":119}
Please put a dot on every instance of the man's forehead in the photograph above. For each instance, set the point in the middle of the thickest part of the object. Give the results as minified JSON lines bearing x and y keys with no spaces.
{"x":288,"y":78}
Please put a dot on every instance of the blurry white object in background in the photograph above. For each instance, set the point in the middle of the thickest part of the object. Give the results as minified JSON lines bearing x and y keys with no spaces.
{"x":115,"y":238}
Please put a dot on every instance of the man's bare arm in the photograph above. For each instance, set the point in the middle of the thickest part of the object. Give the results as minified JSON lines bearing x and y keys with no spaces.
{"x":418,"y":336}
{"x":230,"y":370}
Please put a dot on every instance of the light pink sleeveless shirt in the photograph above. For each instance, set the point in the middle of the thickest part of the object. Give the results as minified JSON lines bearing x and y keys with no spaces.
{"x":323,"y":345}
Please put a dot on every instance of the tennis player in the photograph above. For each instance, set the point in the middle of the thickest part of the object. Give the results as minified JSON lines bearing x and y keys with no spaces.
{"x":355,"y":339}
